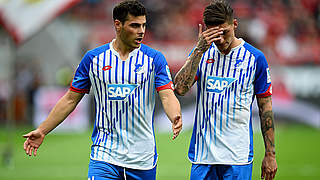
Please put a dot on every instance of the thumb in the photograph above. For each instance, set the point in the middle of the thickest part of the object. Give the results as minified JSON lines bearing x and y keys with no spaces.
{"x":27,"y":135}
{"x":200,"y":30}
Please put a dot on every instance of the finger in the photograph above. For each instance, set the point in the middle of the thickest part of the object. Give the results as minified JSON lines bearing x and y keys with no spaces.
{"x":200,"y":30}
{"x":35,"y":151}
{"x":178,"y":125}
{"x":210,"y":41}
{"x":262,"y":173}
{"x":30,"y":152}
{"x":25,"y":144}
{"x":214,"y":36}
{"x":28,"y":149}
{"x":274,"y":173}
{"x":268,"y":176}
{"x":212,"y":31}
{"x":175,"y":134}
{"x":27,"y":135}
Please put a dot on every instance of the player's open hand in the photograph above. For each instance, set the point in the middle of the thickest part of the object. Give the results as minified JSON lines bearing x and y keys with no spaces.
{"x":269,"y":167}
{"x":176,"y":126}
{"x":33,"y":141}
{"x":207,"y":37}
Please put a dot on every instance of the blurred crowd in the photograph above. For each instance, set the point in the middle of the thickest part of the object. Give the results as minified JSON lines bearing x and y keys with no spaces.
{"x":287,"y":31}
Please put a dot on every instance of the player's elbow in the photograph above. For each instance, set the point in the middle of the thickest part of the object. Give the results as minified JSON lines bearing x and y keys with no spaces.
{"x":179,"y":91}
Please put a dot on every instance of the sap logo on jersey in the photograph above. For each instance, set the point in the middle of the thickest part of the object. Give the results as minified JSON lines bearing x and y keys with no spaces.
{"x":119,"y":92}
{"x":218,"y":84}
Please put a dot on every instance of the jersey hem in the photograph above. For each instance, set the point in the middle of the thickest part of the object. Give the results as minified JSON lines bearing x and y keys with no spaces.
{"x":127,"y":166}
{"x":220,"y":163}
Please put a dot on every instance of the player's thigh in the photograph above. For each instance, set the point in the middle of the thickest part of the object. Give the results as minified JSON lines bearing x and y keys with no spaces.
{"x":99,"y":170}
{"x":135,"y":174}
{"x":236,"y":172}
{"x":203,"y":172}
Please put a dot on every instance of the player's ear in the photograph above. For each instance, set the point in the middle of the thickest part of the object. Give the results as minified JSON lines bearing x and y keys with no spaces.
{"x":235,"y":23}
{"x":117,"y":25}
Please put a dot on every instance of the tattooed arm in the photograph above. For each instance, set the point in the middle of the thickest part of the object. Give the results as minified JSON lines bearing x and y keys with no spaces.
{"x":185,"y":77}
{"x":269,"y":164}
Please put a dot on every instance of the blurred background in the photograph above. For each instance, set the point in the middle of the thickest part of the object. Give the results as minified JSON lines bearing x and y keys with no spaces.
{"x":43,"y":41}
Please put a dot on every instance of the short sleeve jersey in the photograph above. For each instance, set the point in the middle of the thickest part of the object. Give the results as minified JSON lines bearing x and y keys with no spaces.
{"x":124,"y":98}
{"x":227,"y":85}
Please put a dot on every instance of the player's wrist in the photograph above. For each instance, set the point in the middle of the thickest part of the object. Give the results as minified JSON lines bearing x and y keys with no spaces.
{"x":271,"y":153}
{"x":199,"y":50}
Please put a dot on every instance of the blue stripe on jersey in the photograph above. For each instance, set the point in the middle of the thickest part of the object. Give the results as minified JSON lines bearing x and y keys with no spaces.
{"x":221,"y":113}
{"x":144,"y":90}
{"x":111,"y":117}
{"x":204,"y":115}
{"x":248,"y":77}
{"x":194,"y":137}
{"x":218,"y":61}
{"x":250,"y":157}
{"x":100,"y":100}
{"x":241,"y":80}
{"x":230,"y":64}
{"x":229,"y":89}
{"x":234,"y":87}
{"x":213,"y":98}
{"x":215,"y":124}
{"x":155,"y":157}
{"x":97,"y":110}
{"x":105,"y":87}
{"x":117,"y":118}
{"x":139,"y":104}
{"x":224,"y":62}
{"x":128,"y":104}
{"x":126,"y":118}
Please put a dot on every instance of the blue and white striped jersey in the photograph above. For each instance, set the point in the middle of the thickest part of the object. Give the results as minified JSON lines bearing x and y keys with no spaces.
{"x":226,"y":85}
{"x":124,"y":96}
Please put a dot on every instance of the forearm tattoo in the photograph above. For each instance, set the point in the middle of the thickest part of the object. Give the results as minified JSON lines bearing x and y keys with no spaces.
{"x":267,"y":123}
{"x":185,"y":77}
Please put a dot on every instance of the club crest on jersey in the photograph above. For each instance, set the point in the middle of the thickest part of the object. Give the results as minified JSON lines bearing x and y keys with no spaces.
{"x":119,"y":92}
{"x":238,"y":62}
{"x":139,"y":68}
{"x":218,"y":84}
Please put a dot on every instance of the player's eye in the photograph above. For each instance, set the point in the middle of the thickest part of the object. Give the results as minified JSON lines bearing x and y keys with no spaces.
{"x":225,"y":32}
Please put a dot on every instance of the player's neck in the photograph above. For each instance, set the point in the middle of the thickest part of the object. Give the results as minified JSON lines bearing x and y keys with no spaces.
{"x":122,"y":49}
{"x":236,"y":42}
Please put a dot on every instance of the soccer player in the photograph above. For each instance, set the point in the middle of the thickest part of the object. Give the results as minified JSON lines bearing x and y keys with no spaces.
{"x":124,"y":76}
{"x":229,"y":73}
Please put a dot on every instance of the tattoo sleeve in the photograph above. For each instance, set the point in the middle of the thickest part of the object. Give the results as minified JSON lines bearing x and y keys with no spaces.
{"x":185,"y":78}
{"x":267,"y":123}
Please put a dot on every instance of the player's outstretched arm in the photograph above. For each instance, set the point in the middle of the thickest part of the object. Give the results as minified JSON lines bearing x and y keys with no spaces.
{"x":172,"y":108}
{"x":269,"y":164}
{"x":184,"y":79}
{"x":58,"y":114}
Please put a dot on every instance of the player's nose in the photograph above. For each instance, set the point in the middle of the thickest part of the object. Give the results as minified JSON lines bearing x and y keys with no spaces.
{"x":141,"y":30}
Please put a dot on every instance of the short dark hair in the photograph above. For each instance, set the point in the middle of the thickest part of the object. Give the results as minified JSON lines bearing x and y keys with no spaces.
{"x":218,"y":12}
{"x":133,"y":7}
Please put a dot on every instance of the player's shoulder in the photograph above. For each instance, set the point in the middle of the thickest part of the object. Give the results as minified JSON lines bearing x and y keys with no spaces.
{"x":147,"y":50}
{"x":255,"y":51}
{"x":98,"y":50}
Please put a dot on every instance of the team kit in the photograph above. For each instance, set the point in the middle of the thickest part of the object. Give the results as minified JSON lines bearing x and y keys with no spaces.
{"x":124,"y":75}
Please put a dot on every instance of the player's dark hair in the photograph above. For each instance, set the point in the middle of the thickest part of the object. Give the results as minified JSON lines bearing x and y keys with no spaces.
{"x":133,"y":7}
{"x":218,"y":12}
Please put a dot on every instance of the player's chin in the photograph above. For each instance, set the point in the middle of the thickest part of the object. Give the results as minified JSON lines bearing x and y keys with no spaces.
{"x":136,"y":45}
